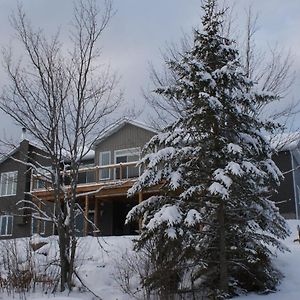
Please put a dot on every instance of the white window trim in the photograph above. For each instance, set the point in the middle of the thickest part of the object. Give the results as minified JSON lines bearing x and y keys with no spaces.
{"x":100,"y":164}
{"x":127,"y":152}
{"x":14,"y":182}
{"x":12,"y":225}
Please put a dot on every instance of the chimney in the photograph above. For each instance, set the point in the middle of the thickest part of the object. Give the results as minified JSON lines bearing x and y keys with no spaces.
{"x":23,"y":136}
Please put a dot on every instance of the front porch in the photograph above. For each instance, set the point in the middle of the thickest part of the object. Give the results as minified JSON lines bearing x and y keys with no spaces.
{"x":103,"y":202}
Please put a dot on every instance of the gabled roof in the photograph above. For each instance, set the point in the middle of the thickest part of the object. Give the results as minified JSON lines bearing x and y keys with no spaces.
{"x":4,"y":157}
{"x":120,"y":124}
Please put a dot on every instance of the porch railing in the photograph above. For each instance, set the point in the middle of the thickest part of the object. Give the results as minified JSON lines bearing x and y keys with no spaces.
{"x":91,"y":175}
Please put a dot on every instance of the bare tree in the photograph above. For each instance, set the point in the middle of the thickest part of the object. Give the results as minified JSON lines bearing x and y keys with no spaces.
{"x":61,"y":97}
{"x":272,"y":69}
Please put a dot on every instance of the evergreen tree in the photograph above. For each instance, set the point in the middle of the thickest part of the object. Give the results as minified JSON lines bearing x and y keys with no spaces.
{"x":213,"y":220}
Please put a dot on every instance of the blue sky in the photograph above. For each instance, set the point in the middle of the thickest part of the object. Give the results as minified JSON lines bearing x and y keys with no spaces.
{"x":141,"y":29}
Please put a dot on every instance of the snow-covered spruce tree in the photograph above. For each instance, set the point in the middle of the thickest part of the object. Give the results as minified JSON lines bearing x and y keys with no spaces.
{"x":213,"y":219}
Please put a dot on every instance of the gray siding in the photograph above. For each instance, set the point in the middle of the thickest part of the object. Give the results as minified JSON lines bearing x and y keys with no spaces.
{"x":285,"y":196}
{"x":129,"y":136}
{"x":8,"y":204}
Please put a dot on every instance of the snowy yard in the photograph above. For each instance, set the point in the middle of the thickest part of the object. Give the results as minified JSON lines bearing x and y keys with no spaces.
{"x":98,"y":269}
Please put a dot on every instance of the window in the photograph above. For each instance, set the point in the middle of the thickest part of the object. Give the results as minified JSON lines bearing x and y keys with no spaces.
{"x":6,"y":225}
{"x":104,"y":160}
{"x":41,"y":177}
{"x":124,"y":156}
{"x":86,"y":176}
{"x":8,"y":183}
{"x":37,"y":226}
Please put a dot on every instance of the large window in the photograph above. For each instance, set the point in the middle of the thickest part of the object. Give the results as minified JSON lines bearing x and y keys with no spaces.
{"x":126,"y":156}
{"x":104,"y":160}
{"x":8,"y":183}
{"x":6,"y":225}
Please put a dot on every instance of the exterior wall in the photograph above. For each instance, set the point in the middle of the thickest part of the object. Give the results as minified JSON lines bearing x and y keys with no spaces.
{"x":285,"y":196}
{"x":37,"y":156}
{"x":8,"y":204}
{"x":296,"y":173}
{"x":115,"y":210}
{"x":129,"y":136}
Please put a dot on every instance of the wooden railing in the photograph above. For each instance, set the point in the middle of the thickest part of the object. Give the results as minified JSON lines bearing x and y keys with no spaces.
{"x":90,"y":175}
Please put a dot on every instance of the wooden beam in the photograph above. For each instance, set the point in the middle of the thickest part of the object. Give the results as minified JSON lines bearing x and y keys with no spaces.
{"x":121,"y":171}
{"x":108,"y":189}
{"x":86,"y":214}
{"x":39,"y":221}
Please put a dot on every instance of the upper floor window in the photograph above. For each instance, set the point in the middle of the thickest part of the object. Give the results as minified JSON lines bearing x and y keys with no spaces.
{"x":86,"y":176}
{"x":105,"y":160}
{"x":8,"y":183}
{"x":6,"y":225}
{"x":127,"y":156}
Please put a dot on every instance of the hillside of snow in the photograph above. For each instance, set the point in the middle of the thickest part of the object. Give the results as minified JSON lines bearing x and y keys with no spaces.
{"x":99,"y":260}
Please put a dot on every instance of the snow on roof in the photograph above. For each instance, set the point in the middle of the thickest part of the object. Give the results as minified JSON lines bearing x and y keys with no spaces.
{"x":286,"y":141}
{"x":87,"y":154}
{"x":118,"y":125}
{"x":4,"y":157}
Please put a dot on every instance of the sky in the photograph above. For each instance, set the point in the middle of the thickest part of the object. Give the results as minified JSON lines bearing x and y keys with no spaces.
{"x":139,"y":31}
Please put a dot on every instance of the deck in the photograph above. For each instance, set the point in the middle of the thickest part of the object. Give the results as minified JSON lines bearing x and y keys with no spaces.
{"x":97,"y":185}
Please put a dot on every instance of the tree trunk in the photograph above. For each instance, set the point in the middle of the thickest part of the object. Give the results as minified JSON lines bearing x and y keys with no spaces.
{"x":223,"y":283}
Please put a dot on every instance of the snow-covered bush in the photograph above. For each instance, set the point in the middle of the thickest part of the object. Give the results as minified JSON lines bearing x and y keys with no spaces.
{"x":28,"y":264}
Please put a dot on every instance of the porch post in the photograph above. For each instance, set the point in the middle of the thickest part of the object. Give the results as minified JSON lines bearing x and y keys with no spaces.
{"x":86,"y":212}
{"x":96,"y":214}
{"x":97,"y":174}
{"x":121,"y":171}
{"x":39,"y":221}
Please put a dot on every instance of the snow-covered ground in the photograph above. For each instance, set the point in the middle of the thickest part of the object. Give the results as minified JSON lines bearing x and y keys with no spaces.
{"x":100,"y":257}
{"x":289,"y":264}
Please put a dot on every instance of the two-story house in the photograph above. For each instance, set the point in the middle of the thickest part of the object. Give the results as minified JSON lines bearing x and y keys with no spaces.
{"x":15,"y":182}
{"x":105,"y":177}
{"x":106,"y":174}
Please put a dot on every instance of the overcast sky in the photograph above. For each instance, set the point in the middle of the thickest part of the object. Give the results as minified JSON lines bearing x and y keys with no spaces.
{"x":140,"y":29}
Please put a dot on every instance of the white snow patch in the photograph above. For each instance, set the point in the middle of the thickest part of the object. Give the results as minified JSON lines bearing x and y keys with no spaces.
{"x":234,"y":168}
{"x":193,"y":217}
{"x":218,"y":189}
{"x":169,"y":214}
{"x":234,"y":148}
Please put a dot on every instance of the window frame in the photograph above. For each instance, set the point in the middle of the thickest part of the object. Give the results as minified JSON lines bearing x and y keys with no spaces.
{"x":14,"y":183}
{"x":86,"y":174}
{"x":100,"y":164}
{"x":6,"y":227}
{"x":126,"y":152}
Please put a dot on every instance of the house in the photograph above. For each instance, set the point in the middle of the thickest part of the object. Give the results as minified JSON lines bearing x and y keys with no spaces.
{"x":15,"y":182}
{"x":288,"y":161}
{"x":105,"y":177}
{"x":107,"y":172}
